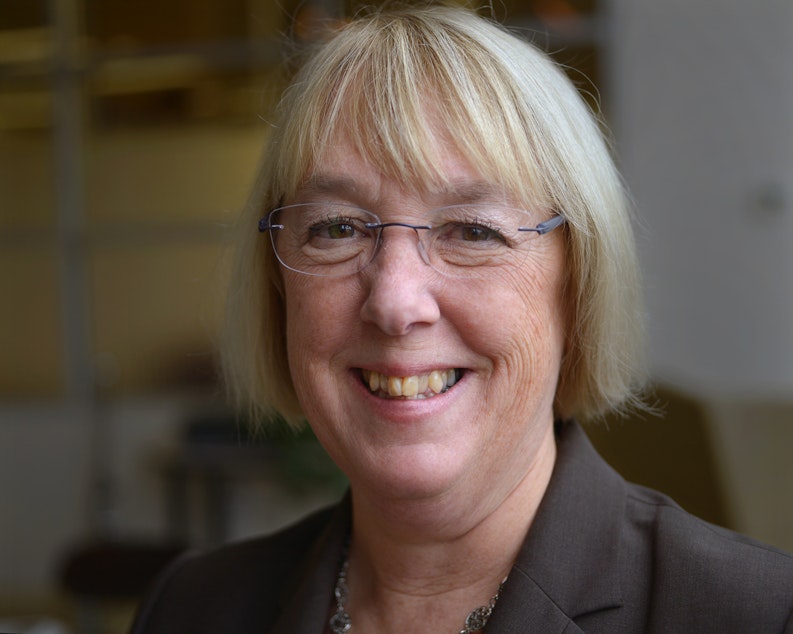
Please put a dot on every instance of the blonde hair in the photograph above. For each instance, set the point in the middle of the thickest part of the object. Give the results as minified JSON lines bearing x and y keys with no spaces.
{"x":517,"y":119}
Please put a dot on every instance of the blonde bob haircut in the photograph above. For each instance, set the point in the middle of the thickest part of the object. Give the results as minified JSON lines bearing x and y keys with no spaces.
{"x":519,"y":121}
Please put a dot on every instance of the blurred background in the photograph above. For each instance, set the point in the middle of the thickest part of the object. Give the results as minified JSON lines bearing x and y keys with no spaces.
{"x":129,"y":135}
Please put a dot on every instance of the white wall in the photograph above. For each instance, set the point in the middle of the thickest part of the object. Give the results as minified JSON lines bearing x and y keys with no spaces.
{"x":702,"y":107}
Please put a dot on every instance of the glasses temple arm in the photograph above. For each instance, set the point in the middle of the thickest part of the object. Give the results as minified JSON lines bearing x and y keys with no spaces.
{"x":264,"y":225}
{"x":545,"y":227}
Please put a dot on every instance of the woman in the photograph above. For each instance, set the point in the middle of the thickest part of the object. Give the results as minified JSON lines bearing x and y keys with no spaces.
{"x":442,"y":280}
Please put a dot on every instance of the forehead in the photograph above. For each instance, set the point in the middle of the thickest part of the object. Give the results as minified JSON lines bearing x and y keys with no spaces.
{"x":344,"y":170}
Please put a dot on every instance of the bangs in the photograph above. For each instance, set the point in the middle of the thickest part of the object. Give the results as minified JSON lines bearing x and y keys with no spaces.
{"x":401,"y":93}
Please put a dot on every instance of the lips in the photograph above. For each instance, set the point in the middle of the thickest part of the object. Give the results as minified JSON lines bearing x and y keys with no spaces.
{"x":418,"y":386}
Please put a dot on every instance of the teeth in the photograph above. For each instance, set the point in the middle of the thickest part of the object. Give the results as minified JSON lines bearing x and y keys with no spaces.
{"x":417,"y":386}
{"x":410,"y":386}
{"x":437,"y":381}
{"x":394,"y":386}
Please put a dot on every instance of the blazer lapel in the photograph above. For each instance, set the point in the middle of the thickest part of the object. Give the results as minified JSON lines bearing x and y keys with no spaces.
{"x":524,"y":607}
{"x":569,"y":564}
{"x":307,"y":596}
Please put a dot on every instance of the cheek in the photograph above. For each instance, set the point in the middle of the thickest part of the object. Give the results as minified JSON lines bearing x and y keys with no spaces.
{"x":521,"y":325}
{"x":542,"y":298}
{"x":320,"y":314}
{"x":306,"y":335}
{"x":300,"y":315}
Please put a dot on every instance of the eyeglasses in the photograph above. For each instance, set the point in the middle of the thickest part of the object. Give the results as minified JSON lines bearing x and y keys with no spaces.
{"x":330,"y":239}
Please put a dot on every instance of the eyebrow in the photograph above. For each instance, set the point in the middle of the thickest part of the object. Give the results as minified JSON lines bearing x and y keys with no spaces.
{"x":459,"y":191}
{"x":328,"y":184}
{"x":467,"y":191}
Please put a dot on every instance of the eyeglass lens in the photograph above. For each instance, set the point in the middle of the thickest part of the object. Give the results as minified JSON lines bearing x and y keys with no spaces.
{"x":458,"y":240}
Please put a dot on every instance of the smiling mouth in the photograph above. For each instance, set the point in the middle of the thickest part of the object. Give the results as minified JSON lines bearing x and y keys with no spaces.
{"x":416,"y":387}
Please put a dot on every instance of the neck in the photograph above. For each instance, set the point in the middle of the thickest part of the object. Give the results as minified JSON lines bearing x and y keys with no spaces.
{"x":423,"y":565}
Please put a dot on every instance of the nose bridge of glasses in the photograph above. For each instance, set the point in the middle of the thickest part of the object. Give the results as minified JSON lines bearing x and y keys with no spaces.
{"x":420,"y":245}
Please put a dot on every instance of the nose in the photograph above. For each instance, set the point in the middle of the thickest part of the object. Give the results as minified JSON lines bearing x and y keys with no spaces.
{"x":400,"y":290}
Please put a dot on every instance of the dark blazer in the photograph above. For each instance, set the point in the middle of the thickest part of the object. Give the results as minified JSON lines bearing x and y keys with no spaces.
{"x":602,"y":556}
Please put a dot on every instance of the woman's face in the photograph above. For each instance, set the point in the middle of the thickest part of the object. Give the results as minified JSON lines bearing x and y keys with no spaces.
{"x":503,"y":334}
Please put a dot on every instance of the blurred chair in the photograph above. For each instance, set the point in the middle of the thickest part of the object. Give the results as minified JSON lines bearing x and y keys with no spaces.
{"x":98,"y":572}
{"x":672,"y":452}
{"x":217,"y":450}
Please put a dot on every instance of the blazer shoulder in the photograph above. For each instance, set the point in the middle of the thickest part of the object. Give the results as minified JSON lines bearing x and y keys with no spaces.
{"x":234,"y":587}
{"x":266,"y":556}
{"x":708,"y":572}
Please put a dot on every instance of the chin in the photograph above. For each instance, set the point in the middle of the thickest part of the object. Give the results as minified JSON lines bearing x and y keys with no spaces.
{"x":410,"y":473}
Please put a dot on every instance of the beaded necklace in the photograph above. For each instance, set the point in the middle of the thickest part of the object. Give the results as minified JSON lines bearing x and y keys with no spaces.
{"x":340,"y":621}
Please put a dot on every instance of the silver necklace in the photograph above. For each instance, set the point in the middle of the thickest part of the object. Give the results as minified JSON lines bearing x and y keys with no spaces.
{"x":340,"y":621}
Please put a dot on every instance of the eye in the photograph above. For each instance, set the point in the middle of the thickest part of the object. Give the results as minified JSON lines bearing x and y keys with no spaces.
{"x":336,"y":229}
{"x":341,"y":230}
{"x":477,"y":233}
{"x":472,"y":232}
